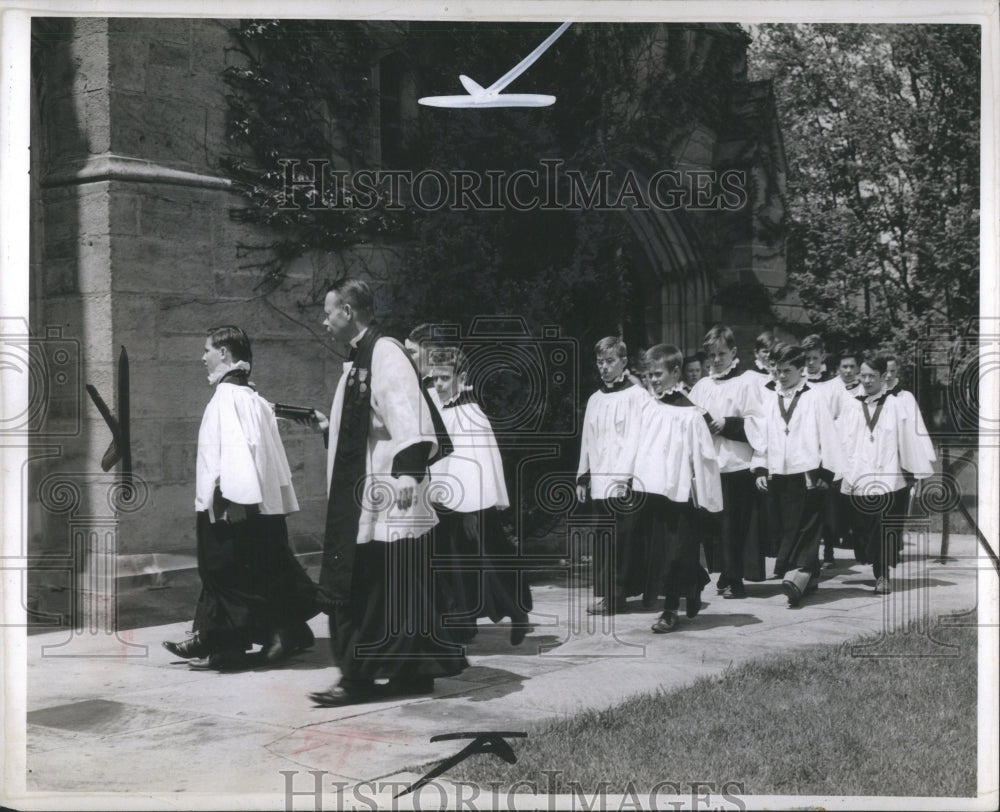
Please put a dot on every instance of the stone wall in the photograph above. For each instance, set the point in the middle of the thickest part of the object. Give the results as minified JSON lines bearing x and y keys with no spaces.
{"x":134,"y":247}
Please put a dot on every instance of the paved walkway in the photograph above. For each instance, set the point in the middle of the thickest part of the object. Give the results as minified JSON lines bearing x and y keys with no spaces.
{"x":121,"y":715}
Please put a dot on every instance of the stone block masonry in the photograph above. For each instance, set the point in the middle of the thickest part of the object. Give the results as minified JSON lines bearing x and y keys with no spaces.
{"x":135,"y":248}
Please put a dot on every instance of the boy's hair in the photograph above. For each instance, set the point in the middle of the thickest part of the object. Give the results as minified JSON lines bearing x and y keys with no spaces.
{"x":690,"y":359}
{"x":875,"y":361}
{"x":611,"y":345}
{"x":449,"y":356}
{"x":233,"y":339}
{"x":719,"y":333}
{"x":421,"y":333}
{"x":765,"y":341}
{"x":847,"y":352}
{"x":667,"y":354}
{"x":788,"y":354}
{"x":700,"y":357}
{"x":813,"y":341}
{"x":357,"y":294}
{"x":888,"y":356}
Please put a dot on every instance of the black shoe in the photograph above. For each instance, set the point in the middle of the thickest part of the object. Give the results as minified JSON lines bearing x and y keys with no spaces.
{"x":666,"y":622}
{"x":519,"y":630}
{"x":737,"y":590}
{"x":792,"y":591}
{"x":339,"y":695}
{"x":722,"y":584}
{"x":286,"y":642}
{"x":608,"y":606}
{"x":189,"y":649}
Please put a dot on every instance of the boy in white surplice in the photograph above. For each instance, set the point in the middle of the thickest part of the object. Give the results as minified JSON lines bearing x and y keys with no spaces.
{"x":253,"y":588}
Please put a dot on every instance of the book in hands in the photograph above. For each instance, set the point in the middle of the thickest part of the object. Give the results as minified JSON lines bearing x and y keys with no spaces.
{"x":300,"y":414}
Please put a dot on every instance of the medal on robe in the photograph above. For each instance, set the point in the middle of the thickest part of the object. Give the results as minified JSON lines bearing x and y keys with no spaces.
{"x":787,"y":415}
{"x":871,"y":420}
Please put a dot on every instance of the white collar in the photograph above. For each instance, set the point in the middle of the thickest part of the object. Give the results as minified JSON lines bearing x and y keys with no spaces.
{"x":726,"y":371}
{"x":677,"y":387}
{"x":872,"y":398}
{"x":354,"y":341}
{"x":222,"y":370}
{"x":787,"y":393}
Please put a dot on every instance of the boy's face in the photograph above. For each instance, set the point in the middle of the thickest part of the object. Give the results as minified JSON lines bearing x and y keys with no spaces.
{"x":871,"y":379}
{"x":419,"y":356}
{"x":848,"y":369}
{"x":610,"y":367}
{"x":720,"y":356}
{"x":891,"y":374}
{"x":692,"y":373}
{"x":661,"y":378}
{"x":214,"y":357}
{"x":787,"y":375}
{"x":446,"y":383}
{"x":761,"y":355}
{"x":814,"y":360}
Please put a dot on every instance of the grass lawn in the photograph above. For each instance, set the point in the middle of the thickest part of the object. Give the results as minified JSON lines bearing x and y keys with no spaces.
{"x":817,"y":722}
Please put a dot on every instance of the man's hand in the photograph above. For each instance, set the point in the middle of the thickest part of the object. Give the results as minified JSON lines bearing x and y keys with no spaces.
{"x":319,"y":421}
{"x":405,"y":488}
{"x":581,"y":493}
{"x":717,"y":426}
{"x":762,"y":483}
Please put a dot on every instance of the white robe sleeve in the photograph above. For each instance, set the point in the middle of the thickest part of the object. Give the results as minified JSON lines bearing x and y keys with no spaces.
{"x":706,"y":483}
{"x":915,"y":452}
{"x":586,"y":439}
{"x":397,"y":403}
{"x":239,"y":441}
{"x":831,"y":446}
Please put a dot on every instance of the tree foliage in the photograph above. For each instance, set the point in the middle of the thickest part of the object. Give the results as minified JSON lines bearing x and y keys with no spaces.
{"x":881,"y":130}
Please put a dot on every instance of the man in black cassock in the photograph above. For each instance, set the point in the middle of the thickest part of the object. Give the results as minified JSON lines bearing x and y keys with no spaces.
{"x":376,"y":576}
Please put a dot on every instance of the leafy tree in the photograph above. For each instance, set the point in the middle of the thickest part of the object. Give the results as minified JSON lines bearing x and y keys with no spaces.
{"x":881,"y":127}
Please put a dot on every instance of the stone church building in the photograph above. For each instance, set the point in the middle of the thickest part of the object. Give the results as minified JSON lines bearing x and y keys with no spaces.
{"x":133,"y":246}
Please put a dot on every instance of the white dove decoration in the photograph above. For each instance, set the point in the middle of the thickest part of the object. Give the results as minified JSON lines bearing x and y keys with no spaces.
{"x":479,"y":96}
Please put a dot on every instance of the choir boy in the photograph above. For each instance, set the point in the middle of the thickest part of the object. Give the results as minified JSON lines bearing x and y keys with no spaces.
{"x":679,"y":474}
{"x":469,"y":492}
{"x":798,"y":461}
{"x":690,"y":372}
{"x":761,"y":350}
{"x":608,"y":447}
{"x":885,"y":446}
{"x":253,"y":589}
{"x":816,"y":373}
{"x":731,"y":397}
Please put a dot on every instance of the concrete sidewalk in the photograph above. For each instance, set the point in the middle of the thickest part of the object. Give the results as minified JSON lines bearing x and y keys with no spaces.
{"x":121,"y":715}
